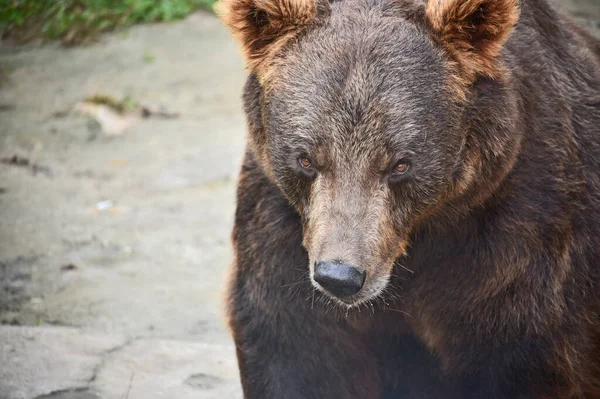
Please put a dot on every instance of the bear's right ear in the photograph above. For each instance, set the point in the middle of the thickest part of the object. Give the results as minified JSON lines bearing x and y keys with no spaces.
{"x":263,"y":27}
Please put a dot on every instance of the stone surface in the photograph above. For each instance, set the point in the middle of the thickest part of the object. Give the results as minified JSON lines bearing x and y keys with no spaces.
{"x":170,"y":369}
{"x":67,"y":363}
{"x":154,"y":263}
{"x":38,"y":361}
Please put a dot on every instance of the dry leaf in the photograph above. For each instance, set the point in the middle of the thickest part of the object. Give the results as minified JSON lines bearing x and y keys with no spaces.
{"x":110,"y":121}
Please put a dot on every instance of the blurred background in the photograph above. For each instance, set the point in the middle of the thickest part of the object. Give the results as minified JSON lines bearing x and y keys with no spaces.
{"x":121,"y":134}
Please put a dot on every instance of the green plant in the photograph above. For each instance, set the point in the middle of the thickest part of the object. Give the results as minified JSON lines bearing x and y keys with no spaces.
{"x":75,"y":21}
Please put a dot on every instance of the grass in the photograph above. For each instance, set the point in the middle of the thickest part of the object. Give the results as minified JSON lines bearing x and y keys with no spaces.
{"x":77,"y":21}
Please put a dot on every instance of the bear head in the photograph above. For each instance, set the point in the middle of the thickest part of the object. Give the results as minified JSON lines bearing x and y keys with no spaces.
{"x":373,"y":116}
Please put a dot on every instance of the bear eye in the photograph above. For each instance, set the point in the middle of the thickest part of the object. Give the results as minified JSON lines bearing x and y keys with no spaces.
{"x":305,"y":162}
{"x":401,"y":168}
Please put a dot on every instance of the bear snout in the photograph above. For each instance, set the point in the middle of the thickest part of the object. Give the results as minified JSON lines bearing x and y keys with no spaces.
{"x":339,"y":279}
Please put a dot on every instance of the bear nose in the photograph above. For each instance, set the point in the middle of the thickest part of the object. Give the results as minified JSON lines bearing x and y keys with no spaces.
{"x":339,"y":279}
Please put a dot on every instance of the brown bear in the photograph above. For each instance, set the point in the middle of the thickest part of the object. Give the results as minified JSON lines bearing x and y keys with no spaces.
{"x":419,"y":206}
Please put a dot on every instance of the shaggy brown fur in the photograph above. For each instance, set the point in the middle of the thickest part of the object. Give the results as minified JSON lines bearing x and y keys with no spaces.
{"x":479,"y":261}
{"x":264,"y":27}
{"x":473,"y":32}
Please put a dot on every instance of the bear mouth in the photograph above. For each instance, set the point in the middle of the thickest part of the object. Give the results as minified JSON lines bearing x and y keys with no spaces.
{"x":372,"y":291}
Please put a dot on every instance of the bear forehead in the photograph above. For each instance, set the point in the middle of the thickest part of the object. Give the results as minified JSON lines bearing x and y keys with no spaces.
{"x":371,"y":36}
{"x":365,"y":70}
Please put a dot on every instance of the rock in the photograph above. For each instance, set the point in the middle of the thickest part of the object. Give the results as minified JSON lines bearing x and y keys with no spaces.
{"x":163,"y":369}
{"x":38,"y":361}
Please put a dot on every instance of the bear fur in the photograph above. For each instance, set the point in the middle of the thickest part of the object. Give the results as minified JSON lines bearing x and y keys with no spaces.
{"x":449,"y":150}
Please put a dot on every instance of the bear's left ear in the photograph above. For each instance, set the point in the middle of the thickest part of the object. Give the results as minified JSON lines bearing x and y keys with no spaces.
{"x":263,"y":27}
{"x":473,"y":32}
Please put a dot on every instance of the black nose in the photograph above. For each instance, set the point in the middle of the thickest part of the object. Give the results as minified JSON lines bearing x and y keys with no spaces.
{"x":341,"y":280}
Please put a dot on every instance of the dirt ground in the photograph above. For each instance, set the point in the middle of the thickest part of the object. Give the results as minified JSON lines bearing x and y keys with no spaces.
{"x":114,"y":248}
{"x":120,"y":235}
{"x":152,"y":263}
